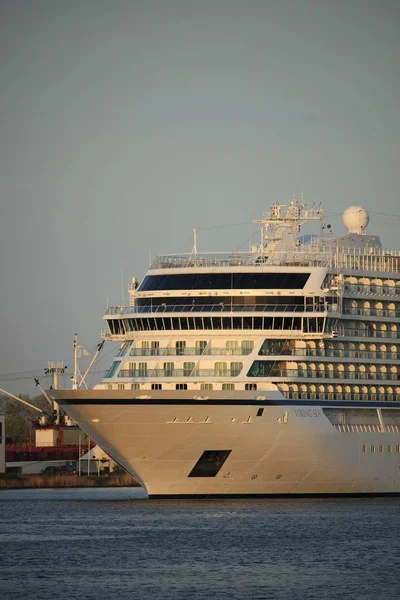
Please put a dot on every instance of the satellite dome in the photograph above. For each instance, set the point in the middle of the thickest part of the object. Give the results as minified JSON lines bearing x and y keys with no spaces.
{"x":355,"y":219}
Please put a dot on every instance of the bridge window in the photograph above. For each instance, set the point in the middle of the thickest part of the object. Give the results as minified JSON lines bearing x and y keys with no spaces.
{"x":225,"y":281}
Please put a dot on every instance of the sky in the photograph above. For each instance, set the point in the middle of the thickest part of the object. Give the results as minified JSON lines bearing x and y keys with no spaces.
{"x":125,"y":124}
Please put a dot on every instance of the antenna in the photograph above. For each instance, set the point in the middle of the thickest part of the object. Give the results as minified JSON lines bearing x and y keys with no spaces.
{"x":75,"y":354}
{"x":194,"y":251}
{"x":122,"y":286}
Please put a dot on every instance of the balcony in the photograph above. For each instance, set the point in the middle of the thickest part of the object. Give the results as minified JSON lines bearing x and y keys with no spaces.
{"x":372,"y":333}
{"x":190,"y":351}
{"x":372,"y":312}
{"x":371,"y":290}
{"x":339,"y":353}
{"x":330,"y":374}
{"x":179,"y":373}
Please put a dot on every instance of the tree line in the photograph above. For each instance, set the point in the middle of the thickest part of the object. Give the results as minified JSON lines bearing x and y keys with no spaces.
{"x":19,"y":417}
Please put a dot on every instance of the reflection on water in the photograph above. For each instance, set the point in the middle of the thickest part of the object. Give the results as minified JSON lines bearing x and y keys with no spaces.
{"x":114,"y":543}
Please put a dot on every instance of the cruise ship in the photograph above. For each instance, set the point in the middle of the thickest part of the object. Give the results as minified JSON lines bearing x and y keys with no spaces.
{"x":272,"y":372}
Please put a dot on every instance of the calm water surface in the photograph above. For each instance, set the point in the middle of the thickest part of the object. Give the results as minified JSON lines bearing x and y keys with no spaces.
{"x":114,"y":543}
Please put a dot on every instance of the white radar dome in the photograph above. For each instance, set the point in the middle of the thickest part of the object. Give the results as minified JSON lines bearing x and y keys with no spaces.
{"x":355,"y":219}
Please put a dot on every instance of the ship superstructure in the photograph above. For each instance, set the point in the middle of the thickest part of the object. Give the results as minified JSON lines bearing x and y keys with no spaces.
{"x":265,"y":372}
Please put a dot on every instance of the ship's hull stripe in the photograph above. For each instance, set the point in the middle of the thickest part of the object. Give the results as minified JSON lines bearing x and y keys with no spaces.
{"x":256,"y":496}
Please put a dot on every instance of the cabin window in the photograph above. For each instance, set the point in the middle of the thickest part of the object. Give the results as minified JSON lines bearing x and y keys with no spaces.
{"x":250,"y":386}
{"x":236,"y":368}
{"x":247,"y":346}
{"x":168,"y":369}
{"x":180,"y":347}
{"x":231,"y":346}
{"x":181,"y":386}
{"x":156,"y":386}
{"x":364,"y":448}
{"x":143,"y":369}
{"x":200,"y":346}
{"x":228,"y":387}
{"x":373,"y":448}
{"x":221,"y":368}
{"x":155,"y":346}
{"x":135,"y":386}
{"x":188,"y":368}
{"x":206,"y":386}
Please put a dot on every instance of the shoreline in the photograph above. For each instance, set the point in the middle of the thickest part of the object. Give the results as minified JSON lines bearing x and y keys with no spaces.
{"x":11,"y":481}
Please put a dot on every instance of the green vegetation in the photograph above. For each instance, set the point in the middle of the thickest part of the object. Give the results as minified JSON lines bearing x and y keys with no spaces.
{"x":19,"y":417}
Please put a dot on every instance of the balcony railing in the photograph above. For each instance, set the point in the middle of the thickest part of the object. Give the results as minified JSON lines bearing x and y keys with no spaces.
{"x":371,"y":290}
{"x":179,"y":373}
{"x":343,"y":396}
{"x":327,"y":353}
{"x":328,"y":374}
{"x":190,"y":351}
{"x":373,"y":312}
{"x":372,"y":333}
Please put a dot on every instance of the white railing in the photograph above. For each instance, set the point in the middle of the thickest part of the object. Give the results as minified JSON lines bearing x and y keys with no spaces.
{"x":366,"y":259}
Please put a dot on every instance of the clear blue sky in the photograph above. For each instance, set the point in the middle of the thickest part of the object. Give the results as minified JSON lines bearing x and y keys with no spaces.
{"x":125,"y":124}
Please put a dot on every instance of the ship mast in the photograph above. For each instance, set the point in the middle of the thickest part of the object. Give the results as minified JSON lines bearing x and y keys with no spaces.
{"x":281,"y":225}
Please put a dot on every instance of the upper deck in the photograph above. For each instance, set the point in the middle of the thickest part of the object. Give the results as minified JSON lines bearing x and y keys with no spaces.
{"x":338,"y":258}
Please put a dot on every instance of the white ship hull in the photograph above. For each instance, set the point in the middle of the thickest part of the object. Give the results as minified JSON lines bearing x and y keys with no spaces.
{"x":291,"y":449}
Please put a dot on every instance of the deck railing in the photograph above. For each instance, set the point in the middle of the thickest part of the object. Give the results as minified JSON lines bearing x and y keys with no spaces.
{"x":179,"y":373}
{"x":327,"y":353}
{"x":221,"y":307}
{"x":190,"y":351}
{"x":316,"y":254}
{"x":329,"y":374}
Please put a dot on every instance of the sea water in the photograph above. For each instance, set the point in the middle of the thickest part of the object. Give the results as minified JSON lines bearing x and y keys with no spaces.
{"x":107,"y":544}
